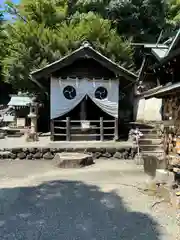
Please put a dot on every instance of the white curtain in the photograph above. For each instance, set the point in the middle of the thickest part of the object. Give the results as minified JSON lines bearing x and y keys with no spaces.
{"x":61,"y":105}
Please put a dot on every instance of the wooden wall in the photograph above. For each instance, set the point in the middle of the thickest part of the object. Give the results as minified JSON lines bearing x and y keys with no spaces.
{"x":85,"y":68}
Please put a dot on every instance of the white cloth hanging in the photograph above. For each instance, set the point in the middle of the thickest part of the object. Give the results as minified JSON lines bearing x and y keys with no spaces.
{"x":110,"y":103}
{"x":60,"y":105}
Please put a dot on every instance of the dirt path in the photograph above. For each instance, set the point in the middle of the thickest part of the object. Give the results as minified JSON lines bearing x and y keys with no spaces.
{"x":90,"y":203}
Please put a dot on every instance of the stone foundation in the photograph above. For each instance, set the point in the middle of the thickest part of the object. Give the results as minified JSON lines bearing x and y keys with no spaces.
{"x":49,"y":153}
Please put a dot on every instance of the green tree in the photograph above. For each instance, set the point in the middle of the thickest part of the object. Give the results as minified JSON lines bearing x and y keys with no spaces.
{"x":174,"y":12}
{"x":38,"y":37}
{"x":141,"y":19}
{"x":3,"y":39}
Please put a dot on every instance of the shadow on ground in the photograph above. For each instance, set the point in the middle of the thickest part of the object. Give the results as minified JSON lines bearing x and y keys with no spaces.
{"x":70,"y":211}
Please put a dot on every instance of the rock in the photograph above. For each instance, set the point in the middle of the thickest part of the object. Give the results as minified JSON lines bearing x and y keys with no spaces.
{"x":21,"y":155}
{"x":37,"y":155}
{"x":106,"y":155}
{"x":125,"y":154}
{"x":53,"y":150}
{"x":174,"y":161}
{"x":174,"y":186}
{"x":111,"y":150}
{"x":177,"y":177}
{"x":2,"y":135}
{"x":32,"y":137}
{"x":5,"y":154}
{"x":44,"y":150}
{"x":72,"y":160}
{"x":121,"y":150}
{"x":79,"y":150}
{"x":102,"y":150}
{"x":59,"y":150}
{"x":91,"y":149}
{"x":132,"y":153}
{"x":12,"y":156}
{"x":176,"y":170}
{"x":29,"y":156}
{"x":117,"y":155}
{"x":16,"y":150}
{"x":48,"y":156}
{"x":25,"y":150}
{"x":70,"y":150}
{"x":97,"y":155}
{"x":161,"y":176}
{"x":32,"y":150}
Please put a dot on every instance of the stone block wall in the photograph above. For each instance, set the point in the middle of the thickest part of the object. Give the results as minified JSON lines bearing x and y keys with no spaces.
{"x":49,"y":153}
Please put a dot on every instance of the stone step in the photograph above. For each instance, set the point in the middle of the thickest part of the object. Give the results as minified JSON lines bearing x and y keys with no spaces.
{"x":146,"y":141}
{"x":150,"y":136}
{"x":152,"y":152}
{"x":147,"y":129}
{"x":151,"y":147}
{"x":72,"y":160}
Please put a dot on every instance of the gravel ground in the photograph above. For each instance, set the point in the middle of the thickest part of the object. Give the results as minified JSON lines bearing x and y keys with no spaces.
{"x":41,"y":202}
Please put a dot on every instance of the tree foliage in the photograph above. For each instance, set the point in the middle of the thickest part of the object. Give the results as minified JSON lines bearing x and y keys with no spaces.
{"x":140,"y":19}
{"x":174,"y":12}
{"x":42,"y":31}
{"x":3,"y":41}
{"x":39,"y":37}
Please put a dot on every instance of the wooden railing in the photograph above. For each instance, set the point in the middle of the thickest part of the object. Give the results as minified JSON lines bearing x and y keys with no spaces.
{"x":69,"y":125}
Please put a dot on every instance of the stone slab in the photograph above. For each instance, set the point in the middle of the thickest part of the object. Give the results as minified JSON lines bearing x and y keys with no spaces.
{"x":45,"y":142}
{"x":72,"y":160}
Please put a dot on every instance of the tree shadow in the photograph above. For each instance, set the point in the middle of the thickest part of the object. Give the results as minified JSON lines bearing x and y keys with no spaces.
{"x":70,"y":210}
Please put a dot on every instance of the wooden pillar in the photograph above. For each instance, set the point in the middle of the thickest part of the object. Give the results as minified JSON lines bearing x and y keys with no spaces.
{"x":52,"y":130}
{"x":68,"y":130}
{"x":83,"y":113}
{"x":116,"y":135}
{"x":101,"y":129}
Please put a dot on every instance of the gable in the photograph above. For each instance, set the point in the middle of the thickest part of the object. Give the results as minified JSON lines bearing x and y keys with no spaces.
{"x":84,"y":52}
{"x":82,"y":68}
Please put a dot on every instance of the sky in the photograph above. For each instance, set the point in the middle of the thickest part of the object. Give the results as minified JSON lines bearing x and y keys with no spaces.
{"x":2,"y":1}
{"x":6,"y":16}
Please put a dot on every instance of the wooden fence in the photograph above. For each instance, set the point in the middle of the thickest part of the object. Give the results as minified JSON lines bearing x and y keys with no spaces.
{"x":69,"y":126}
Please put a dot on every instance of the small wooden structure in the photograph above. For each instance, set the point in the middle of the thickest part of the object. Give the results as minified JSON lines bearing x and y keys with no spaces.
{"x":159,"y":76}
{"x":84,"y":91}
{"x":20,"y":103}
{"x":165,"y":71}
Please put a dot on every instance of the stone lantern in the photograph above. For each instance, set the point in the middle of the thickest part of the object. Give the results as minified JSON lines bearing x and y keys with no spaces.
{"x":33,"y":114}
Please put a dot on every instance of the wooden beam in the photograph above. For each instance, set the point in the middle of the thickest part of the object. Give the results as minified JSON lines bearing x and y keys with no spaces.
{"x":52,"y":130}
{"x":101,"y":129}
{"x":68,"y":130}
{"x":116,"y":135}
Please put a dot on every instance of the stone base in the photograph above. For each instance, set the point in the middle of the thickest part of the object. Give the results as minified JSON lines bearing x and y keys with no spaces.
{"x":48,"y":153}
{"x":72,"y":160}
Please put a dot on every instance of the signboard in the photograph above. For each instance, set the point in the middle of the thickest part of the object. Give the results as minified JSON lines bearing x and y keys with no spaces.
{"x":85,"y":124}
{"x":20,"y":122}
